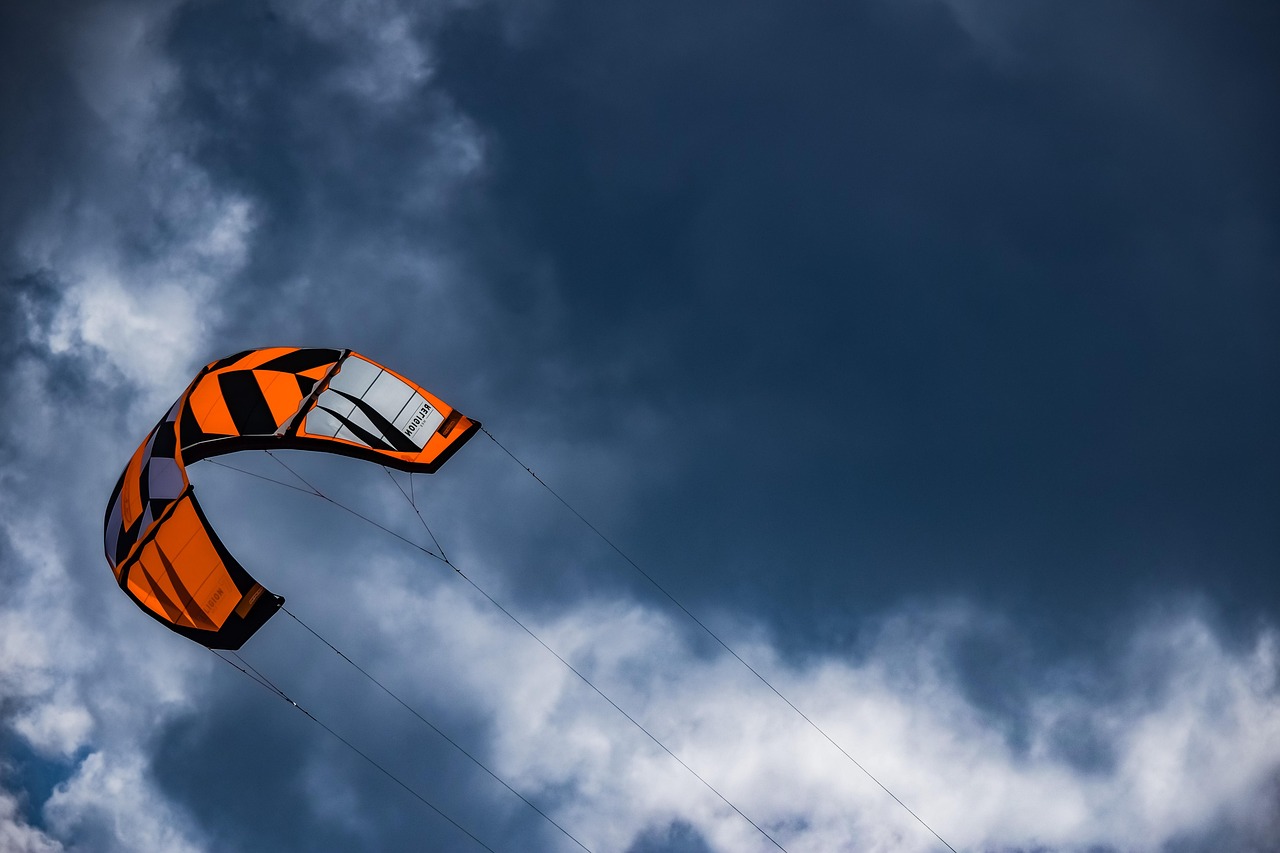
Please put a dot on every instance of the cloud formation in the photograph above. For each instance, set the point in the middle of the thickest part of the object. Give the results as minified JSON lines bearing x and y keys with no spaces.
{"x":118,"y":271}
{"x":629,"y":245}
{"x":1200,"y":753}
{"x":1178,"y":736}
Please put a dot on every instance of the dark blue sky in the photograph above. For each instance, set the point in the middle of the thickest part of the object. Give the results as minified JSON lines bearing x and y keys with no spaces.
{"x":927,"y":350}
{"x":1000,"y":325}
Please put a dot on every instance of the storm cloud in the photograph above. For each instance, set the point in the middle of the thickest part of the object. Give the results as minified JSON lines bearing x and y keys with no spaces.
{"x":925,"y":351}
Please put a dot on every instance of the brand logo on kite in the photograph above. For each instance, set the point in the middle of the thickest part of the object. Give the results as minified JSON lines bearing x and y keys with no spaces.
{"x":419,"y":418}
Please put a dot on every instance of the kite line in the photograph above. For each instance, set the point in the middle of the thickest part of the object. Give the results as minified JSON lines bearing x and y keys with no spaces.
{"x":258,"y":678}
{"x":312,"y":490}
{"x":714,"y":636}
{"x":271,"y":686}
{"x":169,"y":560}
{"x":436,"y":729}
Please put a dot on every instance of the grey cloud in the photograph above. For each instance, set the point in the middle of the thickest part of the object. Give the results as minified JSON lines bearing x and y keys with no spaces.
{"x":816,"y":313}
{"x":116,"y":238}
{"x":17,"y":835}
{"x":1182,"y":763}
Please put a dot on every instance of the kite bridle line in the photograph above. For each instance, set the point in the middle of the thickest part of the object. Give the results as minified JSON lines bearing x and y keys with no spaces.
{"x":312,"y":490}
{"x":257,"y":676}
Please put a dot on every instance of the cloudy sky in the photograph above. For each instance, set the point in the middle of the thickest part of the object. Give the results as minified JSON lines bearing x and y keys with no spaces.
{"x":925,"y":350}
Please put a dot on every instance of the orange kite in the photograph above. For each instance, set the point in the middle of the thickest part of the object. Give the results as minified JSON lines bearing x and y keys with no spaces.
{"x":165,"y":555}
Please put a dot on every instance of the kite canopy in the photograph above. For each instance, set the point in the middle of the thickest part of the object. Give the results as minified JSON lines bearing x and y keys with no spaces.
{"x":165,"y":555}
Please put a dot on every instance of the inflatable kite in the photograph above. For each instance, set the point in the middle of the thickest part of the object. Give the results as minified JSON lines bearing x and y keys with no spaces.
{"x":165,"y":555}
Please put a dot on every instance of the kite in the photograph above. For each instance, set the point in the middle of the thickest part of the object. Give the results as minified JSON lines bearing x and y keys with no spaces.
{"x":165,"y":555}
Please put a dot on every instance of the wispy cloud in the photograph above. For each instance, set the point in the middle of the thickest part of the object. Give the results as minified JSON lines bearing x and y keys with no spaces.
{"x":111,"y":804}
{"x":1193,"y":733}
{"x":154,"y":249}
{"x":123,"y":260}
{"x":17,"y":835}
{"x":136,"y":238}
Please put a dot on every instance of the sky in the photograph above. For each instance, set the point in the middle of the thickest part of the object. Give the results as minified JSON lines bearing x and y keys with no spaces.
{"x":926,"y":351}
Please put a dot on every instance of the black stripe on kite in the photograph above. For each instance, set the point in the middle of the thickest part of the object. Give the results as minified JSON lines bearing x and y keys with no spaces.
{"x":172,"y":611}
{"x":229,"y":360}
{"x":189,"y":427}
{"x":249,"y":409}
{"x":301,"y":359}
{"x":196,"y":615}
{"x":399,"y":440}
{"x":165,"y":443}
{"x":360,"y":432}
{"x":125,"y":541}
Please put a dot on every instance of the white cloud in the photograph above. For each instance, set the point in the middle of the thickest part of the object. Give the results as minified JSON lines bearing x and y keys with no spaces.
{"x":111,"y":805}
{"x":42,"y":648}
{"x":59,"y":725}
{"x":142,"y":240}
{"x":133,"y":309}
{"x":138,"y":243}
{"x":1186,"y":749}
{"x":17,"y":836}
{"x":67,"y":680}
{"x":1190,"y":742}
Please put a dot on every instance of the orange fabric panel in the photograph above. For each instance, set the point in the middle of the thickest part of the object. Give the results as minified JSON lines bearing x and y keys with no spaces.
{"x":180,"y":576}
{"x":139,"y":584}
{"x":316,"y":373}
{"x":281,"y":392}
{"x":148,"y":581}
{"x":210,"y":407}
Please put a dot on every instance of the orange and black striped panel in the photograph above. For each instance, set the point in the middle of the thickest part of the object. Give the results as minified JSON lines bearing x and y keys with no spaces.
{"x":250,"y":395}
{"x":334,"y":401}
